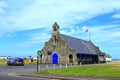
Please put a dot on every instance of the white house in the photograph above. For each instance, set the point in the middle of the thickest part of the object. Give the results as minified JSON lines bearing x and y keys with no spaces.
{"x":108,"y":58}
{"x":4,"y":57}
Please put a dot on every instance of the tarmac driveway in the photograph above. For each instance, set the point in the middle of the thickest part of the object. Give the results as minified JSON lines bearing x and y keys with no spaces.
{"x":17,"y":69}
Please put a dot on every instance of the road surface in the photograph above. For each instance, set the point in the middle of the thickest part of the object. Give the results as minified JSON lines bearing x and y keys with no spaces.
{"x":8,"y":72}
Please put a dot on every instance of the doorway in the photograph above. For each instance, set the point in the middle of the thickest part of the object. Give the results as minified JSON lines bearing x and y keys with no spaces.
{"x":55,"y":58}
{"x":70,"y":58}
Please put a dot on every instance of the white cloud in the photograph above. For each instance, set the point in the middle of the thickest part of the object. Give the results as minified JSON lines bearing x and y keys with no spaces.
{"x":35,"y":39}
{"x":3,"y":5}
{"x":98,"y":34}
{"x":1,"y":11}
{"x":84,"y":28}
{"x":9,"y":35}
{"x":116,"y":16}
{"x":42,"y":14}
{"x":1,"y":35}
{"x":106,"y":33}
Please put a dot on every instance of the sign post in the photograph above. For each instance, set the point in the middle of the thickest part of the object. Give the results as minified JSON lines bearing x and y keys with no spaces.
{"x":37,"y":63}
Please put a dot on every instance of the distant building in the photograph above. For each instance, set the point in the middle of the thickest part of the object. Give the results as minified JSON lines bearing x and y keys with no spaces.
{"x":108,"y":58}
{"x":4,"y":57}
{"x":62,"y":48}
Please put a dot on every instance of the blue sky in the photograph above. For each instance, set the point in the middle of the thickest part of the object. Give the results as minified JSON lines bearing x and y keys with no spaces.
{"x":25,"y":25}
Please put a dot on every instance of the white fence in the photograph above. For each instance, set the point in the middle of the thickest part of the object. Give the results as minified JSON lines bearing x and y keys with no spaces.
{"x":55,"y":66}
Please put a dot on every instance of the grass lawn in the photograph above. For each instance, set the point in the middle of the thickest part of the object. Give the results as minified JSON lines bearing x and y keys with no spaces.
{"x":2,"y":62}
{"x":109,"y":70}
{"x":28,"y":62}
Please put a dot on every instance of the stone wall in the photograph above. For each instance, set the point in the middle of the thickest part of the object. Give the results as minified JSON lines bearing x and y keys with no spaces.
{"x":61,"y":48}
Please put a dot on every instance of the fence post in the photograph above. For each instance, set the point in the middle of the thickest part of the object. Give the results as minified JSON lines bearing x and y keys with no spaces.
{"x":46,"y":66}
{"x":70,"y":64}
{"x":54,"y":66}
{"x":60,"y":66}
{"x":39,"y":67}
{"x":66,"y":65}
{"x":75,"y":64}
{"x":80,"y":63}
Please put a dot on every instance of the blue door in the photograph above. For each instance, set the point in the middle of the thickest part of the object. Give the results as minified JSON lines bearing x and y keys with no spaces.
{"x":55,"y":58}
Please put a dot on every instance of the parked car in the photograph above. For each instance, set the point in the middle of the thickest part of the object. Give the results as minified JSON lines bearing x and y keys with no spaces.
{"x":15,"y":61}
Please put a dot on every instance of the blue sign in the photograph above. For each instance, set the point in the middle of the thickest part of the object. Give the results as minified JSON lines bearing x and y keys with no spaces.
{"x":49,"y":52}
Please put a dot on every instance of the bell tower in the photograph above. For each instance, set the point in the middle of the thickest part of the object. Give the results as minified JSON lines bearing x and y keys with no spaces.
{"x":55,"y":33}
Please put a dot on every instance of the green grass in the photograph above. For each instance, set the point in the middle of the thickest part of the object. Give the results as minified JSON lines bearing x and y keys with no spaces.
{"x":28,"y":62}
{"x":2,"y":62}
{"x":100,"y":70}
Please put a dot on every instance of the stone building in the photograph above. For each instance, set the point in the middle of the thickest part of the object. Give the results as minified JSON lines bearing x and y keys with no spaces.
{"x":67,"y":49}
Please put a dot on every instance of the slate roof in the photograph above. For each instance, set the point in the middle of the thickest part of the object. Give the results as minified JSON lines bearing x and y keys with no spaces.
{"x":79,"y":45}
{"x":107,"y":56}
{"x":96,"y":49}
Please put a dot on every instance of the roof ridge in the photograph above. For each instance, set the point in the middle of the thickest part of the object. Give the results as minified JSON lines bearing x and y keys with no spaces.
{"x":73,"y":37}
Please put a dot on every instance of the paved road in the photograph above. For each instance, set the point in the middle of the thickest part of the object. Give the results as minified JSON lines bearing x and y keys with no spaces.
{"x":8,"y":77}
{"x":25,"y":69}
{"x":17,"y":69}
{"x":7,"y":72}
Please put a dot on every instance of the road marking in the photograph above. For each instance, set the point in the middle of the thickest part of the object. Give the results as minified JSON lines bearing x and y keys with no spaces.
{"x":12,"y":73}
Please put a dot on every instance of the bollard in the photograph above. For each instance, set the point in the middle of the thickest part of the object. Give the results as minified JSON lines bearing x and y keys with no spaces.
{"x":75,"y":64}
{"x":66,"y":65}
{"x":54,"y":66}
{"x":60,"y":66}
{"x":106,"y":62}
{"x":39,"y":67}
{"x":70,"y":64}
{"x":80,"y":63}
{"x":46,"y":66}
